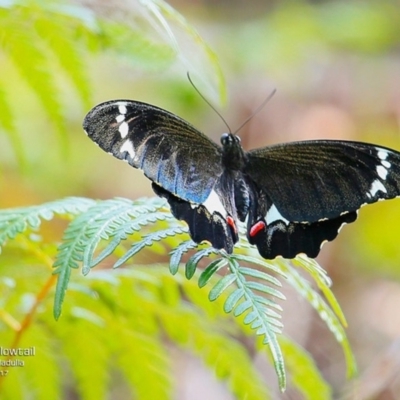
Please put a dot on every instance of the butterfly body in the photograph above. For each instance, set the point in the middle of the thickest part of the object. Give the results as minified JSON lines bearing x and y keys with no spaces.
{"x":295,"y":196}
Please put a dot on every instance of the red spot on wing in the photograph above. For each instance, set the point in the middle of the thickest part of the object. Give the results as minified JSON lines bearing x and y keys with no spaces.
{"x":259,"y":226}
{"x":231,"y":223}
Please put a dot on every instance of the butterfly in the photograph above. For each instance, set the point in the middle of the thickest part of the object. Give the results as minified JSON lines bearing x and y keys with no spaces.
{"x":295,"y":196}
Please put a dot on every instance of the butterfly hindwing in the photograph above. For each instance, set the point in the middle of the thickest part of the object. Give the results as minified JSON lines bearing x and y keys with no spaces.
{"x":169,"y":150}
{"x":204,"y":222}
{"x":275,"y":236}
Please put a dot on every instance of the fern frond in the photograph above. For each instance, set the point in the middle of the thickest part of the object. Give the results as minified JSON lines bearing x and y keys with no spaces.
{"x":333,"y":322}
{"x":323,"y":282}
{"x":14,"y":221}
{"x":130,"y":41}
{"x":259,"y":312}
{"x":87,"y":230}
{"x":148,"y":240}
{"x":117,"y":219}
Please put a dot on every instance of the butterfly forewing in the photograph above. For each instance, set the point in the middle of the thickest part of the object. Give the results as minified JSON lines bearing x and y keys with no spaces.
{"x":169,"y":150}
{"x":315,"y":180}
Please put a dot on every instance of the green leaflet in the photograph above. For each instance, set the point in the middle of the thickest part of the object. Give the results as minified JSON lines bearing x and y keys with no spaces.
{"x":148,"y":240}
{"x":191,"y":265}
{"x":177,"y":254}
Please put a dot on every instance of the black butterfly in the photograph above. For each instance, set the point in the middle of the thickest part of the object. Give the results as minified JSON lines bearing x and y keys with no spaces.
{"x":295,"y":196}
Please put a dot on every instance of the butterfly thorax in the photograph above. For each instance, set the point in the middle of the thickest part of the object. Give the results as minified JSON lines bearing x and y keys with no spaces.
{"x":233,"y":156}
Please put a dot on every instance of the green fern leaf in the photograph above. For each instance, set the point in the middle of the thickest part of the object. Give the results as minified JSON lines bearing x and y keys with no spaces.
{"x":117,"y":219}
{"x":86,"y":227}
{"x":191,"y":265}
{"x":149,"y":240}
{"x":243,"y":301}
{"x":239,"y":308}
{"x":221,"y":286}
{"x":177,"y":254}
{"x":325,"y":312}
{"x":100,"y":221}
{"x":210,"y":270}
{"x":213,"y":345}
{"x":255,"y":273}
{"x":124,"y":39}
{"x":71,"y":251}
{"x":232,"y":302}
{"x":267,"y":302}
{"x":324,"y":283}
{"x":61,"y":288}
{"x":265,"y":289}
{"x":248,"y":293}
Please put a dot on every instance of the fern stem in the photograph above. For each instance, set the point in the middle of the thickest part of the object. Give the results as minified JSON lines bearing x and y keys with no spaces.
{"x":29,"y":316}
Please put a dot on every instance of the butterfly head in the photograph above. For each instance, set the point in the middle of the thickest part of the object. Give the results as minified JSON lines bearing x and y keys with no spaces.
{"x":233,"y":155}
{"x":229,"y":139}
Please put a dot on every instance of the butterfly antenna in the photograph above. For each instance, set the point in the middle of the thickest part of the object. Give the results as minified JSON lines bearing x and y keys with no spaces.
{"x":259,"y":108}
{"x":212,"y":107}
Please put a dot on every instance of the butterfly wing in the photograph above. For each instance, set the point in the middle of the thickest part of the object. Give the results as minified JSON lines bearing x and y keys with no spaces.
{"x":303,"y":192}
{"x":184,"y":165}
{"x":170,"y":151}
{"x":314,"y":180}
